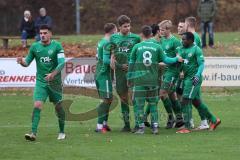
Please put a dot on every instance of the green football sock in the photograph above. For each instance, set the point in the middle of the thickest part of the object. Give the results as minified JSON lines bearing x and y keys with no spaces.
{"x":176,"y":107}
{"x":204,"y":109}
{"x":102,"y":111}
{"x":187,"y":114}
{"x":61,"y":117}
{"x":125,"y":113}
{"x":139,"y":114}
{"x":135,"y":110}
{"x":147,"y":112}
{"x":201,"y":113}
{"x":107,"y":112}
{"x":35,"y":119}
{"x":154,"y":113}
{"x":168,"y":106}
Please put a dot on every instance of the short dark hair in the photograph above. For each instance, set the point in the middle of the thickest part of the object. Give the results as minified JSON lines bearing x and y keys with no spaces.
{"x":181,"y":20}
{"x":146,"y":30}
{"x":155,"y":29}
{"x":108,"y":27}
{"x":191,"y":21}
{"x":189,"y":36}
{"x":123,"y":19}
{"x":45,"y":26}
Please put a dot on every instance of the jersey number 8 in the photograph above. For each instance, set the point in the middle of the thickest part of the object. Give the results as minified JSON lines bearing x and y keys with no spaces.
{"x":147,"y":61}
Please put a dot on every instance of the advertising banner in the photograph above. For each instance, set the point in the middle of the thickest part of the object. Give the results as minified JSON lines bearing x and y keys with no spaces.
{"x":219,"y":71}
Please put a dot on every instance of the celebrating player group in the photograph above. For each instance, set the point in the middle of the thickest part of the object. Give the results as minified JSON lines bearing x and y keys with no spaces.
{"x":154,"y":66}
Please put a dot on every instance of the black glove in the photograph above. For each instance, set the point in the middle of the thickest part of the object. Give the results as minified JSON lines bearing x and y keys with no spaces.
{"x":195,"y":80}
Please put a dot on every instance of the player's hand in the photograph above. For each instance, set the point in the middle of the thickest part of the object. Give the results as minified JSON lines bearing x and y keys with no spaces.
{"x":180,"y":59}
{"x":162,"y":64}
{"x":19,"y":60}
{"x":50,"y":76}
{"x":124,"y":67}
{"x":112,"y":62}
{"x":195,"y":80}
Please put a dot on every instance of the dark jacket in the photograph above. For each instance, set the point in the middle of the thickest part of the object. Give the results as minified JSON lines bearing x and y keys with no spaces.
{"x":207,"y":10}
{"x":42,"y":20}
{"x":28,"y":26}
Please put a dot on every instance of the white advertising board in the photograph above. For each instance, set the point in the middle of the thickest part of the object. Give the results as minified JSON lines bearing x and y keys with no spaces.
{"x":219,"y":71}
{"x":77,"y":72}
{"x":14,"y":75}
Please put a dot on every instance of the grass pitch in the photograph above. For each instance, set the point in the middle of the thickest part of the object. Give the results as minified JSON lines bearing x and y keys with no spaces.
{"x":83,"y":144}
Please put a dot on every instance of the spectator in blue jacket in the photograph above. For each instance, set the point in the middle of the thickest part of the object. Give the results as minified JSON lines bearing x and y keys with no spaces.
{"x":42,"y":19}
{"x":27,"y":28}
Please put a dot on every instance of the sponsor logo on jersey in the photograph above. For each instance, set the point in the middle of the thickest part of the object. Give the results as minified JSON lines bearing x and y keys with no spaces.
{"x":123,"y":49}
{"x":125,"y":46}
{"x":45,"y":59}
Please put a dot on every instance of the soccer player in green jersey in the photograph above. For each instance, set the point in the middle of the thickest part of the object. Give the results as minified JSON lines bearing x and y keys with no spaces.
{"x":143,"y":75}
{"x":179,"y":87}
{"x":103,"y":78}
{"x":181,"y":27}
{"x":156,"y":39}
{"x":49,"y":57}
{"x":155,"y":34}
{"x":168,"y":94}
{"x":123,"y":42}
{"x":193,"y":67}
{"x":190,"y":23}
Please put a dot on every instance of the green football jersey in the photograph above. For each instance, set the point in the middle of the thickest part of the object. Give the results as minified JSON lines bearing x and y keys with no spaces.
{"x":193,"y":57}
{"x":144,"y":63}
{"x":47,"y":59}
{"x":123,"y":45}
{"x":197,"y":40}
{"x":155,"y":41}
{"x":169,"y":46}
{"x":102,"y":69}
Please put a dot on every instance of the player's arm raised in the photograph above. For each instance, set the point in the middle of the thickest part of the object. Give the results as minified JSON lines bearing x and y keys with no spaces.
{"x":21,"y":61}
{"x":25,"y":62}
